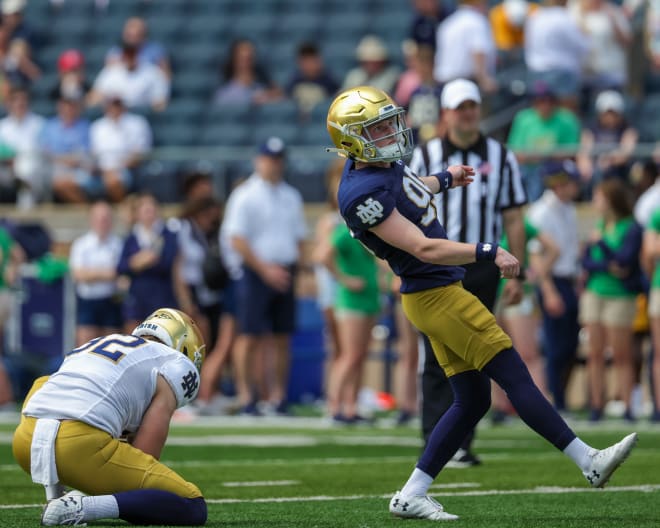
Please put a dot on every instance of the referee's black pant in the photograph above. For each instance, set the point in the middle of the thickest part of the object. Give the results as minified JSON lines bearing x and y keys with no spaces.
{"x":481,"y":279}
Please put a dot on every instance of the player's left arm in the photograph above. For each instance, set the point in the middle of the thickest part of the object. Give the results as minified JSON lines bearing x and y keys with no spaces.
{"x":454,"y":176}
{"x":155,"y":426}
{"x":400,"y":232}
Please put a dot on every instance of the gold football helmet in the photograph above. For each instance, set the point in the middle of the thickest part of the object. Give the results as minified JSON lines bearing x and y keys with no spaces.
{"x":176,"y":330}
{"x":352,"y":116}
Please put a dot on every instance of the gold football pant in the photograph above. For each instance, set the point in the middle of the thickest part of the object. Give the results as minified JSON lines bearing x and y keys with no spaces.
{"x":463,"y":333}
{"x":90,"y":460}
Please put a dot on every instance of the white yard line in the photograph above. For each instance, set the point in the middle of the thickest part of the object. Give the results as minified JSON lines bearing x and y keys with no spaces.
{"x":260,"y":483}
{"x":645,"y":488}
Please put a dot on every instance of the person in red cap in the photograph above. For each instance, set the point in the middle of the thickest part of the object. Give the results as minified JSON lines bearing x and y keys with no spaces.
{"x":71,"y":83}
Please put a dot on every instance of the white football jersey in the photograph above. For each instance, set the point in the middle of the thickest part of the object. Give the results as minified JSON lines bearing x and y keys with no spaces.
{"x":109,"y":383}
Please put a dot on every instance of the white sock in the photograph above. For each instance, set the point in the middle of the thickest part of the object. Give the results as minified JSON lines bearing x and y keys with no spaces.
{"x":417,"y":485}
{"x":100,"y":507}
{"x":580,"y":453}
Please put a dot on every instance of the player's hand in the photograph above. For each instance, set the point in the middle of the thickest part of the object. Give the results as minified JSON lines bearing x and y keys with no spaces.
{"x":462,"y":175}
{"x":508,"y":264}
{"x":553,"y":303}
{"x":276,"y":277}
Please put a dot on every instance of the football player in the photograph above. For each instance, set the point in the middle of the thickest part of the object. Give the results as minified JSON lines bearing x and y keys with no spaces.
{"x":115,"y":386}
{"x":391,"y":211}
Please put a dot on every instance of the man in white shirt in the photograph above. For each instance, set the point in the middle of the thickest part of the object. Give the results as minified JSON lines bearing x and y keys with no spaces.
{"x":555,"y":214}
{"x":555,"y":49}
{"x":466,"y":48}
{"x":265,"y":223}
{"x":648,"y":202}
{"x":139,"y":83}
{"x":20,"y":131}
{"x":119,"y":141}
{"x":93,"y":262}
{"x":113,"y":388}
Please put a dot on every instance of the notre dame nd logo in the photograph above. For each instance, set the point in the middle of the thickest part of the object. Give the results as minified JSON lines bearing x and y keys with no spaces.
{"x":189,"y":384}
{"x":370,"y":211}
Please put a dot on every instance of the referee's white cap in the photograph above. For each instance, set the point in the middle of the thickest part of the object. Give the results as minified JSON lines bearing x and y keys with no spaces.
{"x":457,"y":92}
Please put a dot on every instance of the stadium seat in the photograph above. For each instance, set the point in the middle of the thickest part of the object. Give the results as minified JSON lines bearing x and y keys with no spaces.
{"x":192,"y":55}
{"x":229,"y":114}
{"x":298,"y":27}
{"x":188,"y":82}
{"x":315,"y":133}
{"x":256,"y":26}
{"x":293,"y":7}
{"x":227,"y":134}
{"x":284,"y":111}
{"x":288,"y":132}
{"x":308,"y":176}
{"x":185,"y":108}
{"x":165,"y":27}
{"x":176,"y":133}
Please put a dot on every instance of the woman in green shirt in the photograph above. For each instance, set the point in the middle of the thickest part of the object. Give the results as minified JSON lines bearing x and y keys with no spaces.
{"x":357,"y":303}
{"x":608,"y":304}
{"x":651,"y":261}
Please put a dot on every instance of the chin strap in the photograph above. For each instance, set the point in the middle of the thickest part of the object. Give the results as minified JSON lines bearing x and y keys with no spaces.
{"x":342,"y":152}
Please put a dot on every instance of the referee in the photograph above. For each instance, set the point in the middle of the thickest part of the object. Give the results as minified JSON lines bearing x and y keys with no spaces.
{"x":478,"y":212}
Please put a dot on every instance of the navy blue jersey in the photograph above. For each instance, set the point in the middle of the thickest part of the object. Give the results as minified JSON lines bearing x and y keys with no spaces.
{"x":368,"y":196}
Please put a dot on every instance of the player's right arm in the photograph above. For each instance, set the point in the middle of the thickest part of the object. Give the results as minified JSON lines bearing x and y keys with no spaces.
{"x":155,"y":425}
{"x":400,"y":232}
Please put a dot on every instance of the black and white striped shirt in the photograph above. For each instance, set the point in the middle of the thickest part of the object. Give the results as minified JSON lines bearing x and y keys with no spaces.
{"x":474,"y":213}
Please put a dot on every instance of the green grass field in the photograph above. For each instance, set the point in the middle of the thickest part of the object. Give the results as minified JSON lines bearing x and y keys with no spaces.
{"x":304,"y":473}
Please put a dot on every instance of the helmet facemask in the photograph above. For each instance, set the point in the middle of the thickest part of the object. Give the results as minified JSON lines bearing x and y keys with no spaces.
{"x":389,"y":147}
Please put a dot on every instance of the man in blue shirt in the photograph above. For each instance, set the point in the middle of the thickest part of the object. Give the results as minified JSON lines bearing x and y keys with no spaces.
{"x":64,"y":140}
{"x":391,"y":211}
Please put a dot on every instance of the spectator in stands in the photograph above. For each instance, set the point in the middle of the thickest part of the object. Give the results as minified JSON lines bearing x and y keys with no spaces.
{"x":244,"y":79}
{"x":608,"y":305}
{"x":507,"y":21}
{"x":119,"y":141}
{"x":609,"y":34}
{"x":72,"y":82}
{"x":374,"y":67}
{"x":140,"y":84}
{"x":651,"y":262}
{"x":651,"y":29}
{"x":465,"y":47}
{"x":65,"y":144}
{"x":20,"y":131}
{"x":311,"y":83}
{"x":265,"y":223}
{"x":197,"y":185}
{"x":18,"y":68}
{"x":427,"y":16}
{"x":556,"y":215}
{"x":150,"y":259}
{"x":541,"y":132}
{"x":607,"y":146}
{"x":14,"y":25}
{"x":558,"y":65}
{"x":649,"y":200}
{"x":410,"y":78}
{"x":135,"y":34}
{"x":424,"y":106}
{"x":93,"y":263}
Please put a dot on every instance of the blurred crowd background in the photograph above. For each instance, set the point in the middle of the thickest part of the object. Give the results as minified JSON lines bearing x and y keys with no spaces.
{"x":127,"y":124}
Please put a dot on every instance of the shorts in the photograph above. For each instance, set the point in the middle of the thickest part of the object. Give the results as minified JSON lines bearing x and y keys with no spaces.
{"x":262,"y":310}
{"x":524,"y":308}
{"x":105,"y":313}
{"x":326,"y":288}
{"x":463,"y":333}
{"x":610,"y":311}
{"x":654,"y":302}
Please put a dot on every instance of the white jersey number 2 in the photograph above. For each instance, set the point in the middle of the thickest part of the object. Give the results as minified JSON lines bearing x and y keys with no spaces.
{"x":113,"y":347}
